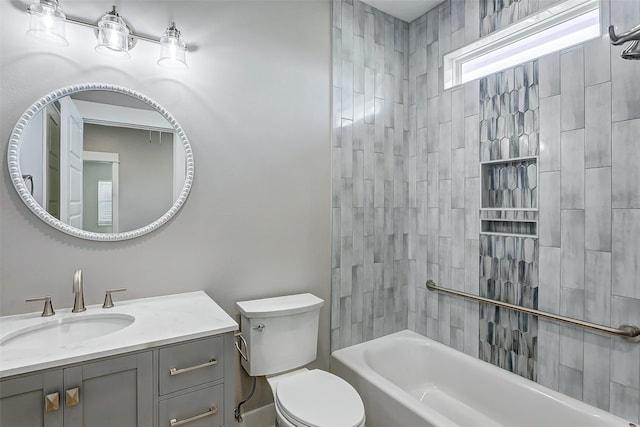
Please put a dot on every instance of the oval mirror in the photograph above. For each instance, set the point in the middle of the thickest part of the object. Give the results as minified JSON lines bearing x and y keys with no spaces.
{"x":100,"y":162}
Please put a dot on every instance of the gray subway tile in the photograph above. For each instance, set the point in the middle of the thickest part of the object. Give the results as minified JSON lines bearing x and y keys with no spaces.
{"x":471,"y":146}
{"x":626,"y":158}
{"x":549,"y":287}
{"x":572,"y":83}
{"x":572,"y":337}
{"x":549,"y":70}
{"x":471,"y":99}
{"x":549,"y":209}
{"x":598,"y":125}
{"x":444,"y":205}
{"x":597,"y":287}
{"x":596,"y":370}
{"x":457,"y":178}
{"x":625,"y":253}
{"x":458,"y":241}
{"x":444,"y":170}
{"x":572,"y":169}
{"x":433,"y":190}
{"x":625,"y":356}
{"x":572,"y":249}
{"x":597,"y":70}
{"x":598,"y":209}
{"x":570,"y":382}
{"x":445,"y":107}
{"x":471,"y":21}
{"x":457,"y":118}
{"x":624,"y":401}
{"x":433,"y":217}
{"x":471,"y":266}
{"x":472,"y":208}
{"x":548,"y":353}
{"x":471,"y":328}
{"x":444,"y":319}
{"x":550,"y":134}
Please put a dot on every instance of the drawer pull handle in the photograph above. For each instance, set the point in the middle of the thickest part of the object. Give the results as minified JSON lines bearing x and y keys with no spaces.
{"x":72,"y":397}
{"x":174,"y":422}
{"x":175,"y":371}
{"x":52,"y":402}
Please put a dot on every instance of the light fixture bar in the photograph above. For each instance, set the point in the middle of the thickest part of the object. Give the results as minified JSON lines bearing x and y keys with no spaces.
{"x":95,"y":27}
{"x":115,"y":37}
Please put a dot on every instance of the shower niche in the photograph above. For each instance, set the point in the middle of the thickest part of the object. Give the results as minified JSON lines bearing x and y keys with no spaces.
{"x":509,"y":197}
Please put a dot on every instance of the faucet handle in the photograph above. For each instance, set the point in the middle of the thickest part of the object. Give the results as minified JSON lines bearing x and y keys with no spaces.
{"x":48,"y":306}
{"x":108,"y":302}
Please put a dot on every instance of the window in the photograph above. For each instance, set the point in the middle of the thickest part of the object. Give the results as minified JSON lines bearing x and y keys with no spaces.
{"x":554,"y":29}
{"x":105,"y":209}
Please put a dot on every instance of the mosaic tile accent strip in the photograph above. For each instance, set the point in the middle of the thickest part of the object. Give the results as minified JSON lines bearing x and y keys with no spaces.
{"x":509,"y":114}
{"x":510,"y":227}
{"x":510,"y":215}
{"x":509,"y":273}
{"x":497,"y":14}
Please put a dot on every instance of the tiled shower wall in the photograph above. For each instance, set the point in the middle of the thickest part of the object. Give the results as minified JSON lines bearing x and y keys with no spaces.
{"x":590,"y":217}
{"x":589,"y":195}
{"x":372,"y":226}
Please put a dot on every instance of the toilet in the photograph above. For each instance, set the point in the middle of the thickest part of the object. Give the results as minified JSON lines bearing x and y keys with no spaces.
{"x":281,"y":337}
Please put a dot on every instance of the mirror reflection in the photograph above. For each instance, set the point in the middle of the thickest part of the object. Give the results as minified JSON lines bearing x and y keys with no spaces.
{"x":102,"y":161}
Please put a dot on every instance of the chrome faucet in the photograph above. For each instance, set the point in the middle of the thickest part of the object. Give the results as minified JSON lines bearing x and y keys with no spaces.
{"x":78,"y":290}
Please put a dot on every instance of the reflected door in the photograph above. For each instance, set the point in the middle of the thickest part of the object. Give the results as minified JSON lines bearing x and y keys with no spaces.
{"x":71,"y":164}
{"x":51,"y":187}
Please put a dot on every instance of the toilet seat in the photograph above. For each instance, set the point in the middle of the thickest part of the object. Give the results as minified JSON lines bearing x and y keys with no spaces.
{"x":319,"y":399}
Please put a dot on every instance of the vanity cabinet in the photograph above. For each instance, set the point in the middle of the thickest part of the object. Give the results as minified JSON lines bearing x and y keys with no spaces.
{"x":112,"y":392}
{"x":172,"y":365}
{"x":188,"y":383}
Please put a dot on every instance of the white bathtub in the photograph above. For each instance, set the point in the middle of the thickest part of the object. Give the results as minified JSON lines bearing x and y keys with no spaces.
{"x":407,"y":380}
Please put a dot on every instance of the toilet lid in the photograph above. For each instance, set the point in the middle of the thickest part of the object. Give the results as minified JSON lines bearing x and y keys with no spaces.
{"x":319,"y":399}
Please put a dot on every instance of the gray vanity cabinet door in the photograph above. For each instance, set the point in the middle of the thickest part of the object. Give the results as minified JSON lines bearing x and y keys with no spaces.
{"x":22,"y":400}
{"x":112,"y":392}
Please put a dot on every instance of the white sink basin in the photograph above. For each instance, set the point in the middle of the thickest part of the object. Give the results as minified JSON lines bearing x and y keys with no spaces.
{"x":68,"y":331}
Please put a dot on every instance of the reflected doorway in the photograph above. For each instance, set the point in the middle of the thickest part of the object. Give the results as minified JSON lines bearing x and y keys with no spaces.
{"x":101,"y":191}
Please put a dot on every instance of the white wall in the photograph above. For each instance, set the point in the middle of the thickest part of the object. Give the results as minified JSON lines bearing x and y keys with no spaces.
{"x":255,"y":105}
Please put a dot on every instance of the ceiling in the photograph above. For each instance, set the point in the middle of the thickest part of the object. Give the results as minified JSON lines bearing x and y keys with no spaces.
{"x":407,"y":10}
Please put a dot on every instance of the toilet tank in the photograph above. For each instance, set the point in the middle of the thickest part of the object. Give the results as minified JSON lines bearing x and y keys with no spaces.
{"x":281,"y":332}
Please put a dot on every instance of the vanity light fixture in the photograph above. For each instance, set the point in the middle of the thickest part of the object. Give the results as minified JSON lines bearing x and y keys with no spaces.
{"x":115,"y":37}
{"x":172,"y":49}
{"x":47,"y":22}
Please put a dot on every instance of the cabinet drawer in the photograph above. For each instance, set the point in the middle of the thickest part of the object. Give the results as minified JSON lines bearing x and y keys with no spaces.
{"x":202,"y":408}
{"x":186,"y":365}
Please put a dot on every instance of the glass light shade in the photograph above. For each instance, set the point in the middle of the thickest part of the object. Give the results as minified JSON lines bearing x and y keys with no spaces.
{"x":113,"y":36}
{"x":47,"y":22}
{"x":172,"y":49}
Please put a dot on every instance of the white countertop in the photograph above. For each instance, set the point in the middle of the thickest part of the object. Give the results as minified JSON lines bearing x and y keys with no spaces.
{"x":158,"y":321}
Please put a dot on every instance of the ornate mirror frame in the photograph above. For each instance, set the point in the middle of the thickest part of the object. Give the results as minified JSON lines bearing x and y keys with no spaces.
{"x":13,"y":159}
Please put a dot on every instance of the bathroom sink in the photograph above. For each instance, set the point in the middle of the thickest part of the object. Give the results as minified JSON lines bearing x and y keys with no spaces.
{"x":68,"y":331}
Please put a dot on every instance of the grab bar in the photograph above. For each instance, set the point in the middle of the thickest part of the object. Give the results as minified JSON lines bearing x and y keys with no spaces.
{"x":627,"y":332}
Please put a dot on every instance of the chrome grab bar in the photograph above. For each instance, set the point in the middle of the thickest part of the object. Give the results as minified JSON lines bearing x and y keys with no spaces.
{"x":627,"y":332}
{"x":175,"y":371}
